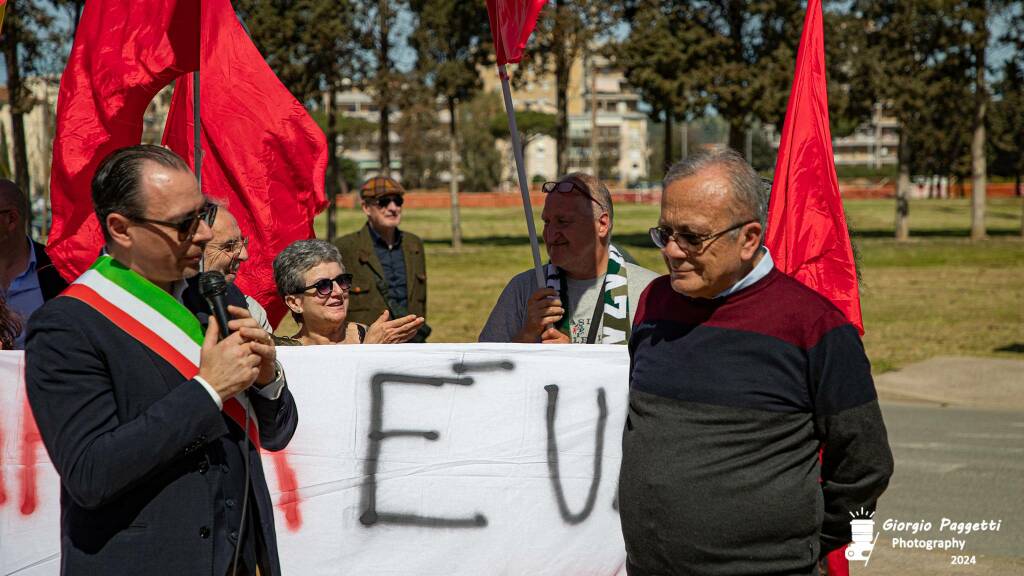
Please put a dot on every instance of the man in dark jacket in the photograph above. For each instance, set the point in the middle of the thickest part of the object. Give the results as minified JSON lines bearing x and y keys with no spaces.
{"x":27,"y":277}
{"x":388,"y":267}
{"x":154,"y":428}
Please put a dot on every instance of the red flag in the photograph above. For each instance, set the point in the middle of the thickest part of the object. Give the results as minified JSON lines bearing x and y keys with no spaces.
{"x":512,"y":22}
{"x":125,"y":51}
{"x":262,"y":152}
{"x":807,"y":232}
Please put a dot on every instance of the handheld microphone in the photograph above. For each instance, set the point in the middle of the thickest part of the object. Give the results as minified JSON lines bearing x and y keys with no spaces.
{"x":213,"y":286}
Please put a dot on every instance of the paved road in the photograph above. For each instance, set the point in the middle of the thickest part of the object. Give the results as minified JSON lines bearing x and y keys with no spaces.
{"x":965,"y":464}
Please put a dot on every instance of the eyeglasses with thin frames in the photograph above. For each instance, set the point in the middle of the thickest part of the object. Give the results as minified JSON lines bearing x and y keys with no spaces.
{"x":325,"y":286}
{"x":233,"y":246}
{"x":690,"y":242}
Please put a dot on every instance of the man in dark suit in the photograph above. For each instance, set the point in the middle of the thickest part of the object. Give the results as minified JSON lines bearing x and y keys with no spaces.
{"x":154,"y":463}
{"x":388,"y":267}
{"x":27,"y":277}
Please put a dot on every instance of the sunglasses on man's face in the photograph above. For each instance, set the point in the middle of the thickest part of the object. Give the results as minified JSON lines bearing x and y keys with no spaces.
{"x":385,"y":201}
{"x":325,"y":286}
{"x":186,"y":227}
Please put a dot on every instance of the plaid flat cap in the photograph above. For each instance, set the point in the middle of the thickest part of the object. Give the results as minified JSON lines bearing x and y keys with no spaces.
{"x":380,"y":186}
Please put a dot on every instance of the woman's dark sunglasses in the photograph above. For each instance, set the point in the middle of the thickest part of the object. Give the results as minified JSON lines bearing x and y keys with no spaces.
{"x":186,"y":227}
{"x":385,"y":201}
{"x":325,"y":286}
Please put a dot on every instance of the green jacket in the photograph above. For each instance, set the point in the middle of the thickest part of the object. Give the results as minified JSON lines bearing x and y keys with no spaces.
{"x":366,"y":300}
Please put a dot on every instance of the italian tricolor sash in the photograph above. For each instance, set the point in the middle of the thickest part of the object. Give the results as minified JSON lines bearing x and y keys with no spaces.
{"x":154,"y":318}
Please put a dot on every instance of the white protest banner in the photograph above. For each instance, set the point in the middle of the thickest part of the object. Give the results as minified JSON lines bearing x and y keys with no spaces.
{"x":409,"y":459}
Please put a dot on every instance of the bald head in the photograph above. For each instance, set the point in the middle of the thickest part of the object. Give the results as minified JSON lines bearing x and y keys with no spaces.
{"x":227,"y":250}
{"x":225,"y":226}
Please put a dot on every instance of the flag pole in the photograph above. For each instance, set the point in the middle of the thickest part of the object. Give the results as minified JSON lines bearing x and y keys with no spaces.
{"x":197,"y":145}
{"x":517,"y":152}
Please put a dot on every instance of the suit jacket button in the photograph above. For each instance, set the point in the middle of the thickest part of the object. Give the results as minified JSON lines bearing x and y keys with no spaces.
{"x":203,"y":466}
{"x":204,"y":532}
{"x":234,"y":535}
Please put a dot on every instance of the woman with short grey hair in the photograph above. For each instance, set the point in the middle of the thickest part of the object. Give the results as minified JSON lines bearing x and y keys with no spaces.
{"x":311,"y":280}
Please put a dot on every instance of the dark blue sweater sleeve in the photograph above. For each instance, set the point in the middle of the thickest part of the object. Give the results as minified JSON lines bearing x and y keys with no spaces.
{"x":856,"y":461}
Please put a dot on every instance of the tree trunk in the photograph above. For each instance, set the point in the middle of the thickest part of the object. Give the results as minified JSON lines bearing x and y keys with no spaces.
{"x":562,"y":69}
{"x":902,"y":189}
{"x":668,"y":142}
{"x":595,"y":156}
{"x":453,"y":173}
{"x":737,"y":135}
{"x":1019,"y":193}
{"x":17,"y":98}
{"x":332,"y":167}
{"x":978,"y":175}
{"x":685,"y":140}
{"x":384,"y":91}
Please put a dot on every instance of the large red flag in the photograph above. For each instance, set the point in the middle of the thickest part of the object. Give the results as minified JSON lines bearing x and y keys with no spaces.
{"x":263,"y":153}
{"x":125,"y":51}
{"x":512,"y":22}
{"x":807,"y":232}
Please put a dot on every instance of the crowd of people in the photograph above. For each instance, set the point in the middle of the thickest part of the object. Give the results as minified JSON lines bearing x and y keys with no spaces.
{"x":753,"y":428}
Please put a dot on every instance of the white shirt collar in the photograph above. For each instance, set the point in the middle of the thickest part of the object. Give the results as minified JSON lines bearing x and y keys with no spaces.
{"x":760,"y":271}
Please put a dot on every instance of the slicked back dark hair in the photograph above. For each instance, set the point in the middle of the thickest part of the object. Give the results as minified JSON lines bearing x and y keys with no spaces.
{"x":115,"y":186}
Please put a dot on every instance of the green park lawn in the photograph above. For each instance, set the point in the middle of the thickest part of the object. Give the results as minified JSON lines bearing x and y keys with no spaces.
{"x":937,"y":294}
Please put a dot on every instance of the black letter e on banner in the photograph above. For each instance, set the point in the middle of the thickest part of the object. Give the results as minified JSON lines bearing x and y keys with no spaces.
{"x":370,"y":515}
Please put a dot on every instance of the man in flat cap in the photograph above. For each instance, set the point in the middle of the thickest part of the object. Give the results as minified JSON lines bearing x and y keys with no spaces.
{"x":389,"y":271}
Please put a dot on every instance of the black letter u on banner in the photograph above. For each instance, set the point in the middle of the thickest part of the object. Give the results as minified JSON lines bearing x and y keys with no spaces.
{"x":556,"y":481}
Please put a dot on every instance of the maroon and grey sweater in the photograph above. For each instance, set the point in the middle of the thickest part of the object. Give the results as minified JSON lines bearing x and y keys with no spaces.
{"x":730,"y":401}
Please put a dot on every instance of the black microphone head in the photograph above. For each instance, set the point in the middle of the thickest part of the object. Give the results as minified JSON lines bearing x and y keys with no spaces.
{"x":212,"y":284}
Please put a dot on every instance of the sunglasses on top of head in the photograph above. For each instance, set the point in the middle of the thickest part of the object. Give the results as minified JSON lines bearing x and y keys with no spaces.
{"x":568,"y":186}
{"x":325,"y":286}
{"x":385,"y":201}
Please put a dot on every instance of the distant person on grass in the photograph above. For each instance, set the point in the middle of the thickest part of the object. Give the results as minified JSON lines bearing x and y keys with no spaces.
{"x":591,"y":291}
{"x":312,"y":281}
{"x":388,"y":265}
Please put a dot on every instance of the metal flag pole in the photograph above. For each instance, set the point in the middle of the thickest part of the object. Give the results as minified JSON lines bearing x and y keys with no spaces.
{"x":197,"y":145}
{"x":506,"y":91}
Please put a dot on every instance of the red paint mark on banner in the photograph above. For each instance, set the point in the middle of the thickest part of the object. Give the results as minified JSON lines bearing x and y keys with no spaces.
{"x":30,"y":441}
{"x":289,"y":488}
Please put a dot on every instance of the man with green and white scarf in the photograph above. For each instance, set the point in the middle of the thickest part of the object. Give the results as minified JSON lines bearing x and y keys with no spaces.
{"x":590,"y":291}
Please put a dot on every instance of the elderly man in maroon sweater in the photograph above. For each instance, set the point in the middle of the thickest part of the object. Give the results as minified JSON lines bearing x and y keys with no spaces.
{"x":739,"y":376}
